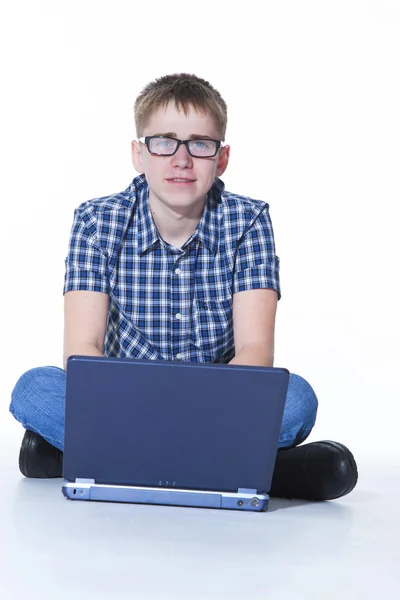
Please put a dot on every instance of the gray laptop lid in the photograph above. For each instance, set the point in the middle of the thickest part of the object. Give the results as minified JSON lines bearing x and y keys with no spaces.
{"x":170,"y":424}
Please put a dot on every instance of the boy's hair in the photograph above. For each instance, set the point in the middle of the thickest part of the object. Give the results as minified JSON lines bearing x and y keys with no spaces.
{"x":186,"y":91}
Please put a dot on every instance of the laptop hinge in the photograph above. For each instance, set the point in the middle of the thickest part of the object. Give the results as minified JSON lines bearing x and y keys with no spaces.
{"x":80,"y":480}
{"x":247,"y":491}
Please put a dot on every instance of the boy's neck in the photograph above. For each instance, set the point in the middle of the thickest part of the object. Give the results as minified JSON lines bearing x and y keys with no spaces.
{"x":175,"y":228}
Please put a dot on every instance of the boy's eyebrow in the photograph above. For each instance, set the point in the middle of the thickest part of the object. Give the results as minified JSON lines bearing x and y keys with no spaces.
{"x":192,"y":136}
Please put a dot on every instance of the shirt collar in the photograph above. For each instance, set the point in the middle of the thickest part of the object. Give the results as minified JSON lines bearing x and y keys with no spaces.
{"x":207,"y":230}
{"x":147,"y":234}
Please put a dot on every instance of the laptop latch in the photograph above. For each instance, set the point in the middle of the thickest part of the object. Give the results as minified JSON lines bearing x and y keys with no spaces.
{"x":80,"y":480}
{"x":247,"y":491}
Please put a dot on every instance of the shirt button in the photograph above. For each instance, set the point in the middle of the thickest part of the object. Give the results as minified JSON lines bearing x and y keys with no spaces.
{"x":178,"y":271}
{"x":178,"y":316}
{"x":179,"y":356}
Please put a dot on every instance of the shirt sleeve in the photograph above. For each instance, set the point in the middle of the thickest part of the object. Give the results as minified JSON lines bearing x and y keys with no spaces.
{"x":86,"y":265}
{"x":256,"y":264}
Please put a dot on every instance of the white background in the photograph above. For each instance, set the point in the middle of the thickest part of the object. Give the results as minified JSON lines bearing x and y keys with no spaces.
{"x":313,"y":95}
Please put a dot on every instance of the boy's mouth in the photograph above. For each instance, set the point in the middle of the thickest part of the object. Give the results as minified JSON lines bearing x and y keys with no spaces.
{"x":181,"y":180}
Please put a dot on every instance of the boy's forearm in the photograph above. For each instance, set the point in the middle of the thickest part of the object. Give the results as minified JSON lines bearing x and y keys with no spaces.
{"x":84,"y":350}
{"x":258,"y":355}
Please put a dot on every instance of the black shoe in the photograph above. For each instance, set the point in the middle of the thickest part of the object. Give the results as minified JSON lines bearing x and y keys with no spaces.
{"x":38,"y":458}
{"x":317,"y":471}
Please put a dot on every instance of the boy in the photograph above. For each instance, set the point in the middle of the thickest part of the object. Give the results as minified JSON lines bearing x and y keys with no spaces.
{"x":176,"y":268}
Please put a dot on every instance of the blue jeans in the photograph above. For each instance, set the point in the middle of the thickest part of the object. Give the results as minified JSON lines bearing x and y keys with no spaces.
{"x":38,"y":402}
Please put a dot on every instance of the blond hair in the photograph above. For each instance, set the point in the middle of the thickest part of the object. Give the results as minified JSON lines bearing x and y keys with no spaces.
{"x":186,"y":91}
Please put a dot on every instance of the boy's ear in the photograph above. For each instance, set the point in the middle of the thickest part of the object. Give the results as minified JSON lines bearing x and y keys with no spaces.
{"x":223,"y":160}
{"x":137,"y":157}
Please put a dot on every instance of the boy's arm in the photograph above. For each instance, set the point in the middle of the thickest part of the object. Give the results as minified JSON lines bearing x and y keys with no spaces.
{"x":85,"y":321}
{"x":86,"y":287}
{"x":256,"y":291}
{"x":254,"y":313}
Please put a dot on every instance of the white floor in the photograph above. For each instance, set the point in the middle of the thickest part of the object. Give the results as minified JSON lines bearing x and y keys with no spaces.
{"x":54,"y":548}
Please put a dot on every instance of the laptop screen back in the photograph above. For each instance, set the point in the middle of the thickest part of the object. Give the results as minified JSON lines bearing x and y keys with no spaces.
{"x":164,"y":424}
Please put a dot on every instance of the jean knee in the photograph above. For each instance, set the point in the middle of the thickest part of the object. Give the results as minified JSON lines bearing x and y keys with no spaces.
{"x":30,"y":392}
{"x":304,"y":400}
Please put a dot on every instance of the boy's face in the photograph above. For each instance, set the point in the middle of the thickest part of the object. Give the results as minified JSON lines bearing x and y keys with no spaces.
{"x":180,"y":182}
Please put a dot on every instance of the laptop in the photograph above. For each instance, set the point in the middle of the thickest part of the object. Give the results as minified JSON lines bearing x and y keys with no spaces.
{"x":170,"y":432}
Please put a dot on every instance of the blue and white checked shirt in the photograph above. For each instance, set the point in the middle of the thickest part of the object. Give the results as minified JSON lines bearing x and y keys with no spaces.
{"x":167,"y":303}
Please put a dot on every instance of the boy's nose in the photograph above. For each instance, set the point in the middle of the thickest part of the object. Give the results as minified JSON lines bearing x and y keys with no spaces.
{"x":182,"y":156}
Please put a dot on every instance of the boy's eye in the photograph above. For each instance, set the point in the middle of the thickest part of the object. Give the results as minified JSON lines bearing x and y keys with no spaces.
{"x":164,"y":143}
{"x":199,"y":144}
{"x":203,"y":146}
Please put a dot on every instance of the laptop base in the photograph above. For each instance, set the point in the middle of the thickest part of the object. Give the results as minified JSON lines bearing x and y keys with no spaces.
{"x":243,"y":499}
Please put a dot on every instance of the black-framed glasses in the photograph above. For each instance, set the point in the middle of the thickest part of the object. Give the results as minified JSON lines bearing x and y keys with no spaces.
{"x":161,"y":145}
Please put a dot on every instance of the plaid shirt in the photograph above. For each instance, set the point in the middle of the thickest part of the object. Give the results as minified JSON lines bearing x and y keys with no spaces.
{"x":167,"y":303}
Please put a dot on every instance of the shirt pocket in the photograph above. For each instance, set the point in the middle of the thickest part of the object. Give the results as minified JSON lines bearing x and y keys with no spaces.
{"x":212,"y":327}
